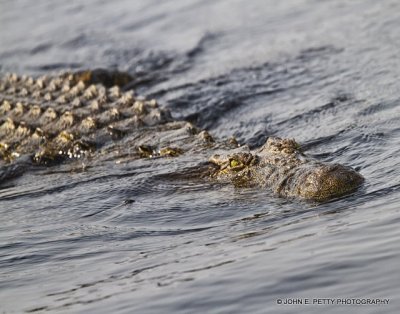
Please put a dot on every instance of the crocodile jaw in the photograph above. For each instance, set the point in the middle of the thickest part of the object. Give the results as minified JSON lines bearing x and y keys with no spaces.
{"x":327,"y":182}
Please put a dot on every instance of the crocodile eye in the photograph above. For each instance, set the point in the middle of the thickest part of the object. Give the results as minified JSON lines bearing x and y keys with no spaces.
{"x":234,"y":163}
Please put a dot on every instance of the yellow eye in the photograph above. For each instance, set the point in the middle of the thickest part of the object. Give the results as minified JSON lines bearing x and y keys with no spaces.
{"x":234,"y":163}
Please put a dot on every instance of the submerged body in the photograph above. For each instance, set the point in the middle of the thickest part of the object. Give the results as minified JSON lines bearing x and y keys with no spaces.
{"x":76,"y":115}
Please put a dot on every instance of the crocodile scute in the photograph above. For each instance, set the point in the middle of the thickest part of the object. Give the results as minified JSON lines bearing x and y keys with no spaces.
{"x":76,"y":115}
{"x":68,"y":115}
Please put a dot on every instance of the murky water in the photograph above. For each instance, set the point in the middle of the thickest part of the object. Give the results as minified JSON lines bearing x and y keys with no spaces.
{"x":120,"y":239}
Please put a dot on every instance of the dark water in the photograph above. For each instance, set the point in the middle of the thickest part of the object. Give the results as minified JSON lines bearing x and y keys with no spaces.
{"x":323,"y":72}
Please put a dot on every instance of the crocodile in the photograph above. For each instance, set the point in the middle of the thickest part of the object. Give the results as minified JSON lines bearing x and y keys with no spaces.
{"x":94,"y":113}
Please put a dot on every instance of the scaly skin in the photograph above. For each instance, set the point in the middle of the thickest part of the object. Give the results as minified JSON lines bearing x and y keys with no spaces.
{"x":76,"y":115}
{"x":281,"y":166}
{"x":68,"y":116}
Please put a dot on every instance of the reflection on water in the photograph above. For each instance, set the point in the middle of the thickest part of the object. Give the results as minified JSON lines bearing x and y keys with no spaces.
{"x":134,"y":237}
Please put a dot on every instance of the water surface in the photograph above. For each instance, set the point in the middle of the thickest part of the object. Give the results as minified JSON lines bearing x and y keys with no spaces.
{"x":323,"y":72}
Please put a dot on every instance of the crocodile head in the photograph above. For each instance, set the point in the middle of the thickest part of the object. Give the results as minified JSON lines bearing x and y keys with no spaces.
{"x":281,"y":166}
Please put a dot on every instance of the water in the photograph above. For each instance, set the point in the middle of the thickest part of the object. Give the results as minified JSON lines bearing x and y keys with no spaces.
{"x":124,"y":239}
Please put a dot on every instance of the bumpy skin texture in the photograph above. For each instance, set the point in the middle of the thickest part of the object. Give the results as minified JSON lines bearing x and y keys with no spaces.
{"x":67,"y":115}
{"x":281,"y":166}
{"x":76,"y":115}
